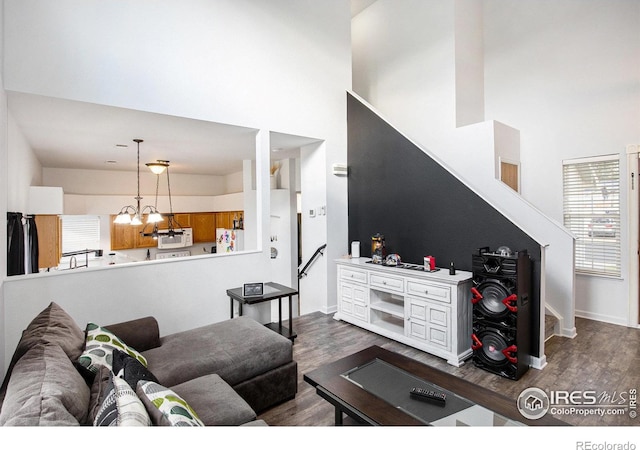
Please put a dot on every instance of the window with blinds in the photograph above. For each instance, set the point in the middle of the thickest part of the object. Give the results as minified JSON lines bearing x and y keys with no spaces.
{"x":80,"y":233}
{"x":592,"y":213}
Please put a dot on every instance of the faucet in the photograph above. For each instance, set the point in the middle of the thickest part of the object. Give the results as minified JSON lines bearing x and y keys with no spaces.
{"x":73,"y":263}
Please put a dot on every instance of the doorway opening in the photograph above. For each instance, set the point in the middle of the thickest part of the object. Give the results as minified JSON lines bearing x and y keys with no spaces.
{"x":633,"y":155}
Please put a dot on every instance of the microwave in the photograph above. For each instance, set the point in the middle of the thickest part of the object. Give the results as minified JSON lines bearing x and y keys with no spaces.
{"x":177,"y":240}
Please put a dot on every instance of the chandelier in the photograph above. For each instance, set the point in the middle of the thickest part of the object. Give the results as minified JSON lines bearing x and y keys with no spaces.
{"x":131,"y":214}
{"x":173,"y":227}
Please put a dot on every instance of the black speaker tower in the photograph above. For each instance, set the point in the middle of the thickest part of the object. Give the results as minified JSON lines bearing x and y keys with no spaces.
{"x":501,"y":292}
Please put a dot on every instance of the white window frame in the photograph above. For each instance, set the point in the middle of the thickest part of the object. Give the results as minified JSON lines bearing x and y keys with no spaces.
{"x":591,"y":211}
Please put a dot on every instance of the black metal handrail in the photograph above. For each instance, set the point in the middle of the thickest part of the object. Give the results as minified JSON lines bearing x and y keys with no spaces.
{"x":317,"y":253}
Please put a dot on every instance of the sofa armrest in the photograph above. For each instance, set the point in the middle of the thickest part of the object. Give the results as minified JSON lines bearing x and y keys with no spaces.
{"x":141,"y":334}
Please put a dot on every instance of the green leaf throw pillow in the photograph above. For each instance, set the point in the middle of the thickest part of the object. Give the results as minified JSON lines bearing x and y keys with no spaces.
{"x":165,"y":407}
{"x":99,"y":347}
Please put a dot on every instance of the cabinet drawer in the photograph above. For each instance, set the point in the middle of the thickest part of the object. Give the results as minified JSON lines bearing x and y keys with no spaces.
{"x":439,"y":292}
{"x":387,"y":282}
{"x":353,"y":275}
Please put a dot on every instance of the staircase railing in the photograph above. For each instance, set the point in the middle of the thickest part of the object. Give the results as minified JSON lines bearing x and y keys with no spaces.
{"x":319,"y":251}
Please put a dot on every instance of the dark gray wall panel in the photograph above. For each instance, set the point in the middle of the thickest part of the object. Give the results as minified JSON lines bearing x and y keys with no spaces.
{"x":422,"y":209}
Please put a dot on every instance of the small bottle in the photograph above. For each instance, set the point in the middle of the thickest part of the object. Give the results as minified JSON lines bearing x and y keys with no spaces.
{"x":452,"y":268}
{"x":148,"y":258}
{"x":112,"y":258}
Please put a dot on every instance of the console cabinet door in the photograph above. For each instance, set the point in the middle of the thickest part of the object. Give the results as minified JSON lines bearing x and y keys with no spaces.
{"x":416,"y":319}
{"x":438,"y":328}
{"x":353,"y":300}
{"x":428,"y":322}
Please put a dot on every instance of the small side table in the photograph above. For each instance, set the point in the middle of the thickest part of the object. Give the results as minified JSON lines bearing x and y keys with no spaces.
{"x":272,"y":291}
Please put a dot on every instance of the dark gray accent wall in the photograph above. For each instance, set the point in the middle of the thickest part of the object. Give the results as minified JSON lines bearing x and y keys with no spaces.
{"x":397,"y":190}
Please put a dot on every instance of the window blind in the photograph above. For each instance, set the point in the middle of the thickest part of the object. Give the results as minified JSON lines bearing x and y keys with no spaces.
{"x":80,"y":233}
{"x":592,"y":213}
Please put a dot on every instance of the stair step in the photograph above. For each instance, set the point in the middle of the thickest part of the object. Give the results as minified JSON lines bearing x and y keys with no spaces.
{"x":550,"y":324}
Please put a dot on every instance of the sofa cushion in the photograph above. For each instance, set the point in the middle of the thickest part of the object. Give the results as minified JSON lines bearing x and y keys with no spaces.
{"x":130,"y":369}
{"x":52,"y":325}
{"x":226,"y":348}
{"x":165,"y":407}
{"x":45,"y":389}
{"x":215,"y":401}
{"x":98,"y":351}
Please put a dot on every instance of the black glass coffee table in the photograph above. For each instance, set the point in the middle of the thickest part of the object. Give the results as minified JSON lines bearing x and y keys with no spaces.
{"x":372,"y":387}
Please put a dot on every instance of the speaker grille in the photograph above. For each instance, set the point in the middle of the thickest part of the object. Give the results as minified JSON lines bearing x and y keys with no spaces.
{"x":501,"y":320}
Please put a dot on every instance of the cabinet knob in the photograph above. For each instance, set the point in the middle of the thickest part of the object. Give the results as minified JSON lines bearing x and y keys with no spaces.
{"x":426,"y":291}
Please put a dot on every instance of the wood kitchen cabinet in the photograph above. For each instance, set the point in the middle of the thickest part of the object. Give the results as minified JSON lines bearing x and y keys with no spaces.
{"x":49,"y":240}
{"x":225,"y":219}
{"x":180,"y":220}
{"x":203,"y":224}
{"x":123,"y":236}
{"x":204,"y":227}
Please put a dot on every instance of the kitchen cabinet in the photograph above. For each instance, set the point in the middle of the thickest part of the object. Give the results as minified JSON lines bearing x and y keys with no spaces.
{"x":225,"y":219}
{"x":123,"y":236}
{"x":127,"y":237}
{"x":430,"y":311}
{"x":203,"y":224}
{"x":204,"y":227}
{"x":180,"y":220}
{"x":49,"y":240}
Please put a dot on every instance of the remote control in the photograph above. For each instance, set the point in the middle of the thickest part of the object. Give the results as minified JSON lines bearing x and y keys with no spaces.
{"x":437,"y":398}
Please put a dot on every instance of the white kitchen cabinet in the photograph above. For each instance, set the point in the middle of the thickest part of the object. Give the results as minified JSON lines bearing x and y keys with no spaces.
{"x":430,"y":311}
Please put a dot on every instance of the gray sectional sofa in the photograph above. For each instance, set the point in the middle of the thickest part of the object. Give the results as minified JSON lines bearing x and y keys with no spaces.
{"x":226,"y":372}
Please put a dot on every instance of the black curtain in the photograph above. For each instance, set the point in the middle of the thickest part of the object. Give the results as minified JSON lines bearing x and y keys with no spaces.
{"x":32,"y":235}
{"x":15,"y":244}
{"x":22,"y":254}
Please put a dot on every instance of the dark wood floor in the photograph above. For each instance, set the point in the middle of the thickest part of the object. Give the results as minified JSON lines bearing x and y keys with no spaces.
{"x":603,"y":358}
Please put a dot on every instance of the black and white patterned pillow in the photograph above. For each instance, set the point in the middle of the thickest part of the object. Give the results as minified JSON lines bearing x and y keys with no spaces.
{"x":121,"y":406}
{"x":130,"y":369}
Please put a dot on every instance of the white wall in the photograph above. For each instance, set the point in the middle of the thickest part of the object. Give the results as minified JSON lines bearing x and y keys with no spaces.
{"x":282,"y":65}
{"x":566,"y":74}
{"x":404,"y":64}
{"x":313,"y":295}
{"x":180,"y":295}
{"x":563,"y":73}
{"x":25,"y":169}
{"x":111,"y":204}
{"x":116,"y":182}
{"x":4,"y":183}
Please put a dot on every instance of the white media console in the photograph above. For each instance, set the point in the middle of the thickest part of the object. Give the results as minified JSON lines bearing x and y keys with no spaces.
{"x":430,"y":311}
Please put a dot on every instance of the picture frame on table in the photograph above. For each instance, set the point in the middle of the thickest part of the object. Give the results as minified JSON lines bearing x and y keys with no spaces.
{"x":253,"y":289}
